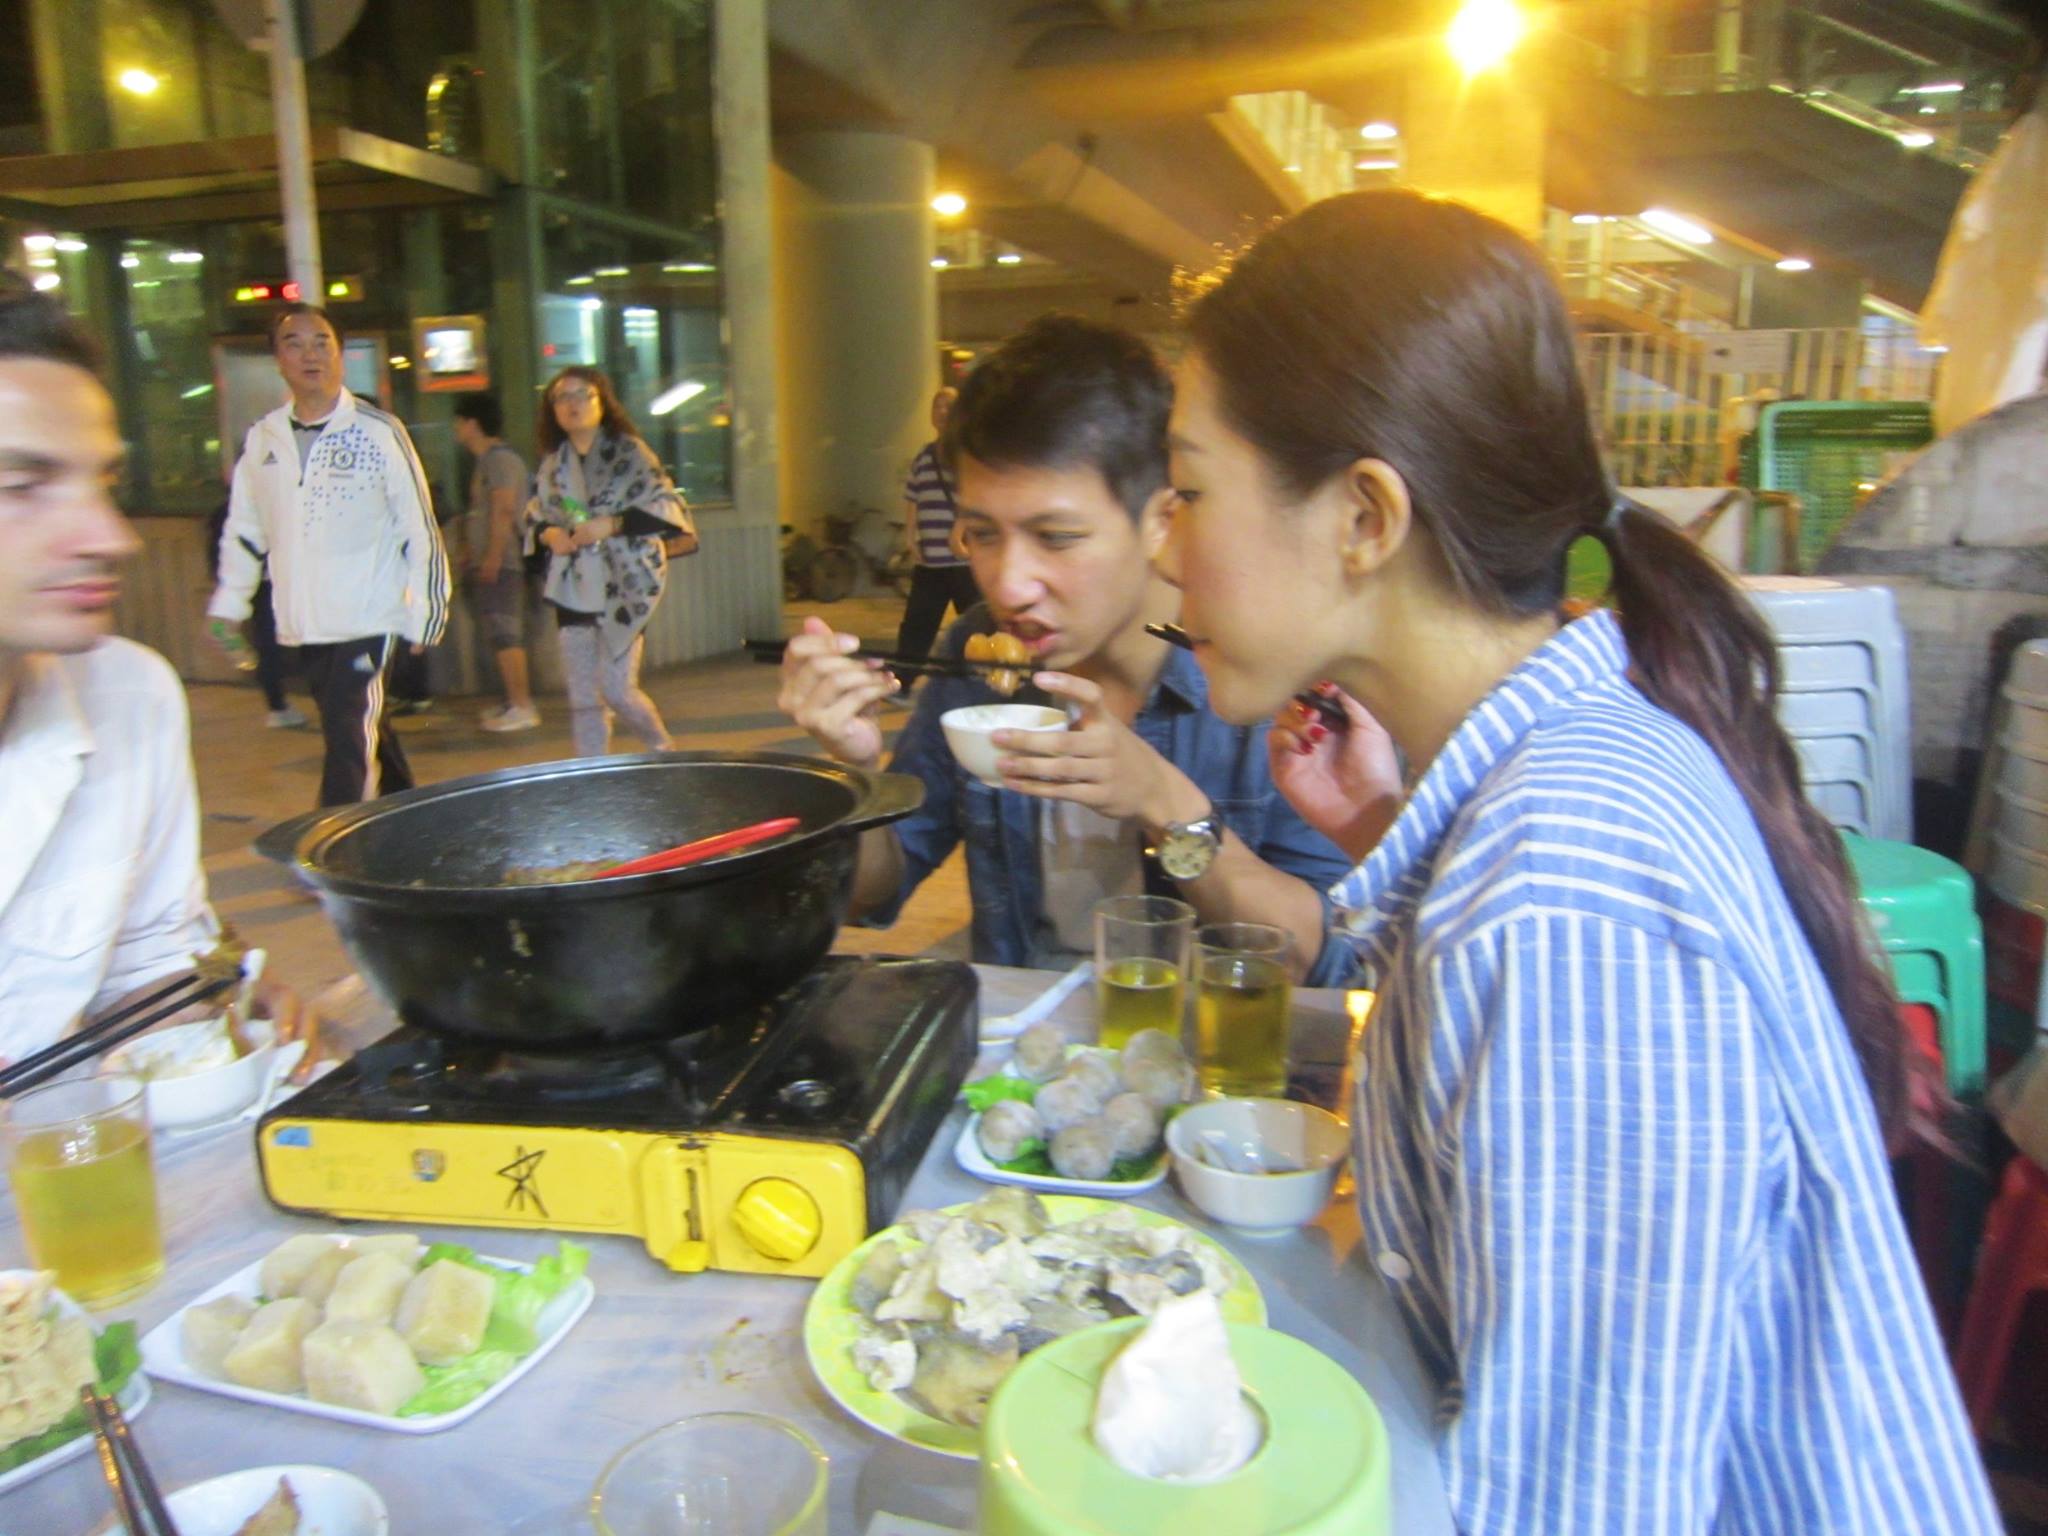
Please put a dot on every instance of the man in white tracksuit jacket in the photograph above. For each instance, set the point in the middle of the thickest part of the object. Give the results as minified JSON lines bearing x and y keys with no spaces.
{"x":330,"y":492}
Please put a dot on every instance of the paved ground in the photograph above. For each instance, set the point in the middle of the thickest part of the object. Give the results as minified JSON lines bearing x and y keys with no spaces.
{"x":251,"y":778}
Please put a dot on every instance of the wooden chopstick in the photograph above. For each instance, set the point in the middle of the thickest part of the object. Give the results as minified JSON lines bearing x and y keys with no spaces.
{"x":103,"y":1034}
{"x":936,"y":666}
{"x":1329,"y":710}
{"x":135,"y":1489}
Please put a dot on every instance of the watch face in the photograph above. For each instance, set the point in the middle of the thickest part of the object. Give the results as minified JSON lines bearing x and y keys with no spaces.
{"x":1185,"y":853}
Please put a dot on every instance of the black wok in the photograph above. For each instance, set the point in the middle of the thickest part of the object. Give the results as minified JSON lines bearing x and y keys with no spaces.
{"x":414,"y":883}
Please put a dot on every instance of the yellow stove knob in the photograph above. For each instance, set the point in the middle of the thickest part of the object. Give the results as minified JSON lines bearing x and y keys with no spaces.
{"x":779,"y":1218}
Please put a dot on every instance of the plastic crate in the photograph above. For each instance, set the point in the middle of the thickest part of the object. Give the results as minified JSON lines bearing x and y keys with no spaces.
{"x":1824,"y":450}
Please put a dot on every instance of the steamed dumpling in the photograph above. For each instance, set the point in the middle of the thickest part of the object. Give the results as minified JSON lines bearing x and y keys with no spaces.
{"x":1083,"y":1151}
{"x":1066,"y":1101}
{"x":1095,"y":1070}
{"x":1152,"y":1045}
{"x":1162,"y":1084}
{"x":1006,"y":1126}
{"x":1040,"y":1052}
{"x":1133,"y":1125}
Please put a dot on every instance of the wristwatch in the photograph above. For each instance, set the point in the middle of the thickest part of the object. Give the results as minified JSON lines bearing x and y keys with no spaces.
{"x":1188,"y":848}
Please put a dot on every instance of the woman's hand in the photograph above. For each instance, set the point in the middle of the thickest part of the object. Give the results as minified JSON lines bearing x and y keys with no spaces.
{"x":558,"y":541}
{"x":595,"y":531}
{"x":292,"y":1018}
{"x":832,"y":695}
{"x":1098,"y":761}
{"x":1346,"y":784}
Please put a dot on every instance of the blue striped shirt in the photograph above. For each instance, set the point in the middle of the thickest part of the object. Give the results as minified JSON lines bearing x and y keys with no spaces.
{"x":930,"y":490}
{"x":1616,"y":1156}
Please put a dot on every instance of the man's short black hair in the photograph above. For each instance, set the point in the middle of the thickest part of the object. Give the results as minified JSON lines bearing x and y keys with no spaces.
{"x":285,"y":312}
{"x":1066,"y":392}
{"x":481,"y":407}
{"x":36,"y":326}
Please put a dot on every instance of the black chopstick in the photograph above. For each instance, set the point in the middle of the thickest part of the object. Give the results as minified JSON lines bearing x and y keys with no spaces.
{"x":103,"y":1034}
{"x":770,"y":651}
{"x":143,"y":1510}
{"x":1330,"y":710}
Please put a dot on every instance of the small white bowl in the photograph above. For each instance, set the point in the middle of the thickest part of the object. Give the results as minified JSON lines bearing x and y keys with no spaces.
{"x":968,"y":732}
{"x":186,"y":1099}
{"x":331,"y":1503}
{"x":1285,"y":1133}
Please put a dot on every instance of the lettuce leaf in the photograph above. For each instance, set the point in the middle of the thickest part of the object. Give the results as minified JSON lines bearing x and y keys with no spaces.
{"x":988,"y":1091}
{"x":512,"y":1331}
{"x":116,"y":1358}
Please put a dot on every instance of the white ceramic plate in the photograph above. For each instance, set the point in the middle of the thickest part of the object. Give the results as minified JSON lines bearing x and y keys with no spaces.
{"x":331,"y":1503}
{"x":133,"y":1399}
{"x":163,"y":1356}
{"x":968,"y":1154}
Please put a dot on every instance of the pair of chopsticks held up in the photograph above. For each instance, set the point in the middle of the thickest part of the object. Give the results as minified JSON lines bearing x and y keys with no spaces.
{"x":136,"y":1495}
{"x":110,"y":1030}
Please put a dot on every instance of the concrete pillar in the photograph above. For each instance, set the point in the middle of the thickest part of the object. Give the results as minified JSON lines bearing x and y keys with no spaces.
{"x":859,"y":317}
{"x":739,"y":40}
{"x":1479,"y":141}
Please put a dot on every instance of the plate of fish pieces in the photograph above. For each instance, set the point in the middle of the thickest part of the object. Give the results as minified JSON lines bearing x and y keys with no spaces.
{"x":381,"y":1330}
{"x":1069,"y":1119}
{"x":914,"y":1330}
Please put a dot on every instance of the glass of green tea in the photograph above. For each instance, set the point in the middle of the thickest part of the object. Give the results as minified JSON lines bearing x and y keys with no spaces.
{"x":84,"y":1179}
{"x":1141,"y":965}
{"x":1241,"y":1010}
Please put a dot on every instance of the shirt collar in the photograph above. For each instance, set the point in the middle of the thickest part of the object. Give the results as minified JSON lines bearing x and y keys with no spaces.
{"x":47,"y":718}
{"x":1585,"y":654}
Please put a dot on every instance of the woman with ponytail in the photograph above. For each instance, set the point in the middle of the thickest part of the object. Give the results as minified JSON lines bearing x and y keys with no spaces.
{"x":1624,"y":1103}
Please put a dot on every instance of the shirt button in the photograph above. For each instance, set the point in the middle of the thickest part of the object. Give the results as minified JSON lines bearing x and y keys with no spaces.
{"x":1393,"y":1266}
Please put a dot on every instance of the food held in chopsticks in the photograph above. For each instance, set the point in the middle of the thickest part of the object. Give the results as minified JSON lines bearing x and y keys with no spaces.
{"x":47,"y":1352}
{"x":951,"y":1300}
{"x":1006,"y":648}
{"x":379,"y":1324}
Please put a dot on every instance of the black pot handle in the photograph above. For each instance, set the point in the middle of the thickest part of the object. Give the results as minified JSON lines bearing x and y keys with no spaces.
{"x":280,"y":844}
{"x":890,"y":797}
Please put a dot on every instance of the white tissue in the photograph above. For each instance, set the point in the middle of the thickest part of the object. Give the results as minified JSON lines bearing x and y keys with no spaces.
{"x":1171,"y":1404}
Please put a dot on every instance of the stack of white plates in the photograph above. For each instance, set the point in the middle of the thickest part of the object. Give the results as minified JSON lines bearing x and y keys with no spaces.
{"x":1843,"y":698}
{"x":2019,"y":835}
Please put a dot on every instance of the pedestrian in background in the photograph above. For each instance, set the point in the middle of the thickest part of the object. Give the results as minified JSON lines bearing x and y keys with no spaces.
{"x":608,"y":515}
{"x":942,"y":576}
{"x":493,"y":558}
{"x":330,"y":492}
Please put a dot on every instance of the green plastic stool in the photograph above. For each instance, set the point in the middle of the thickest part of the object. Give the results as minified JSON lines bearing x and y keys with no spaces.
{"x":1923,"y":908}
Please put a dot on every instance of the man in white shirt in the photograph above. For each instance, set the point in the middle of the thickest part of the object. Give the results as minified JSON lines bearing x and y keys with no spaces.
{"x":101,"y":892}
{"x":330,"y":491}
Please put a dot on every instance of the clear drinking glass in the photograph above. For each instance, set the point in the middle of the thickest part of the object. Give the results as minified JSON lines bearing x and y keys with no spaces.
{"x":1141,"y":965}
{"x":1241,"y":1010}
{"x":715,"y":1474}
{"x":84,"y":1178}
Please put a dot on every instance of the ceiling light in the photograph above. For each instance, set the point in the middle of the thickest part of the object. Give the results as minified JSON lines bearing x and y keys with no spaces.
{"x":1916,"y":140}
{"x":196,"y":392}
{"x":1795,"y":264}
{"x":48,"y":281}
{"x":38,"y":242}
{"x":1378,"y":165}
{"x":1009,"y":259}
{"x":1484,"y":33}
{"x":1379,"y":133}
{"x":131,"y":260}
{"x":949,"y":205}
{"x":1928,"y":111}
{"x":401,"y":362}
{"x":186,"y":258}
{"x":73,"y":245}
{"x":940,"y":263}
{"x":687,"y":266}
{"x":1677,"y":226}
{"x":680,"y":394}
{"x":611,"y":271}
{"x":1585,"y":218}
{"x":581,"y":282}
{"x":139,"y":82}
{"x":1939,"y":88}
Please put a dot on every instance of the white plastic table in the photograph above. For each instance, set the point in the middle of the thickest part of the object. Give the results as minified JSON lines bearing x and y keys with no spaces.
{"x":657,"y":1346}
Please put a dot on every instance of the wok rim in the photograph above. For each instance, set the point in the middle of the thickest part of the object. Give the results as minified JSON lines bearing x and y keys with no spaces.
{"x":879,"y":798}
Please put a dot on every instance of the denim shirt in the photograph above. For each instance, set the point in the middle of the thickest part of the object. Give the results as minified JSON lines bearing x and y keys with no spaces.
{"x":1003,"y":829}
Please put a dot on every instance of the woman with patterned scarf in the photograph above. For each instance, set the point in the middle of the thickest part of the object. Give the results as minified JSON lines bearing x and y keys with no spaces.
{"x":606,"y":511}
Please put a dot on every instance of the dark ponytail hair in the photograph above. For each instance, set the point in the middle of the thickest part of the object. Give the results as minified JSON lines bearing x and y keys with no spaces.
{"x":1385,"y":325}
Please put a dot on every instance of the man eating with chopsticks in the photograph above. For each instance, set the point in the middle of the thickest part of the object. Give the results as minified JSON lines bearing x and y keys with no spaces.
{"x":101,"y":892}
{"x":1058,"y":449}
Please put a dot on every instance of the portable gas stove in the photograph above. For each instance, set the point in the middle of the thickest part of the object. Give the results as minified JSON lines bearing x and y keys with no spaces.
{"x":771,"y":1144}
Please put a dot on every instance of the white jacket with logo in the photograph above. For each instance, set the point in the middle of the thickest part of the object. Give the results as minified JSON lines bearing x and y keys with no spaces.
{"x":352,"y":545}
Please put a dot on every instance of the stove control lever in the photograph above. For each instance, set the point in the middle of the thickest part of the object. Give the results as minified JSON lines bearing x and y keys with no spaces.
{"x":778,"y":1218}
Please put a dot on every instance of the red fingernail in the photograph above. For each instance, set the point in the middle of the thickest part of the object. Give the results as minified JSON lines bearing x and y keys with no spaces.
{"x":1302,"y":749}
{"x":1318,"y":731}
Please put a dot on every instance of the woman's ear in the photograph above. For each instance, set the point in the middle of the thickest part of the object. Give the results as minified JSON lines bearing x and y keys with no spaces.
{"x":1376,"y":515}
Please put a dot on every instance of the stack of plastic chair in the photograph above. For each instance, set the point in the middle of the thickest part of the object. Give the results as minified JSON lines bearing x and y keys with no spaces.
{"x":2011,"y":1269}
{"x":1844,"y":698}
{"x":1923,"y":910}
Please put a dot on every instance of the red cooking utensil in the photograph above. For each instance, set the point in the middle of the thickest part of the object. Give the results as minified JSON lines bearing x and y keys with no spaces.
{"x":703,"y":848}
